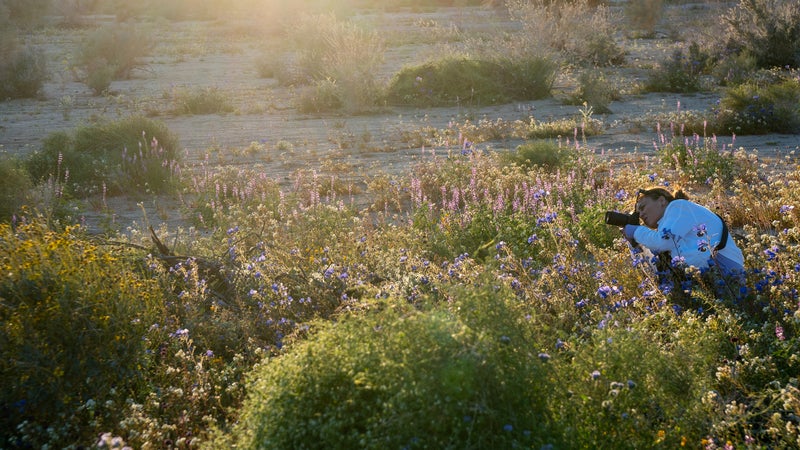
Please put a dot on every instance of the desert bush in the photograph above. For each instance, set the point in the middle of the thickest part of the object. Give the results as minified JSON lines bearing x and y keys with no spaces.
{"x":23,"y":74}
{"x":73,"y":319}
{"x":769,"y":30}
{"x":14,"y":187}
{"x":467,"y":81}
{"x":328,"y":49}
{"x":546,"y":154}
{"x":208,"y":100}
{"x":760,"y":107}
{"x":322,"y":96}
{"x":735,"y":69}
{"x":594,"y":90}
{"x":679,"y":73}
{"x":99,"y":77}
{"x":582,"y":33}
{"x":644,"y":15}
{"x":120,"y":47}
{"x":129,"y":155}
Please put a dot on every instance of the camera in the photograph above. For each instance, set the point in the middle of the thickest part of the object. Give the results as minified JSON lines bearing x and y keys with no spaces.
{"x":621,"y":219}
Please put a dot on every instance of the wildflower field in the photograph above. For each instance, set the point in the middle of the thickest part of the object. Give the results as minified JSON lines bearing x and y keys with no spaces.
{"x":473,"y":298}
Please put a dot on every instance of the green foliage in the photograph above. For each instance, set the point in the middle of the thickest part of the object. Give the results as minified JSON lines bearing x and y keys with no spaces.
{"x":546,"y":154}
{"x":772,"y":106}
{"x":130,"y":155}
{"x":677,"y":74}
{"x":73,"y":316}
{"x":470,"y":303}
{"x":398,"y":379}
{"x":769,"y":30}
{"x":23,"y":74}
{"x":118,"y":47}
{"x":466,"y":81}
{"x":15,"y":185}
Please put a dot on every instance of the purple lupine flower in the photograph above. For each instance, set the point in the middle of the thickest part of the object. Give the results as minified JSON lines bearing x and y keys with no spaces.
{"x":700,"y":230}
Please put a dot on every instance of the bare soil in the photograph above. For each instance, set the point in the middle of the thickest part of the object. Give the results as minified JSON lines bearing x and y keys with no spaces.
{"x":213,"y":54}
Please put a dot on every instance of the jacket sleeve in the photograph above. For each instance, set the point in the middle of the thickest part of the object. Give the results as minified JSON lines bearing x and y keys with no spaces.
{"x":680,"y":220}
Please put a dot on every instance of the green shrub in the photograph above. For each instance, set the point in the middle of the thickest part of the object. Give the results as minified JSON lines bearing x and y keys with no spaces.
{"x":14,"y":187}
{"x":546,"y":154}
{"x":761,"y":108}
{"x":99,"y":77}
{"x":73,"y":317}
{"x":769,"y":30}
{"x":467,"y":81}
{"x":129,"y":155}
{"x":209,"y":100}
{"x":23,"y":74}
{"x":119,"y":46}
{"x":677,"y":74}
{"x":395,"y":379}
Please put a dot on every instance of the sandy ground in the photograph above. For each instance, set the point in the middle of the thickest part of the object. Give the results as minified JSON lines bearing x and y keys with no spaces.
{"x":264,"y":113}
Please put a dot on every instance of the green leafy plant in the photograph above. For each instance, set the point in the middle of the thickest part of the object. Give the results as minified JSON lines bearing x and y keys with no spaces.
{"x":546,"y":154}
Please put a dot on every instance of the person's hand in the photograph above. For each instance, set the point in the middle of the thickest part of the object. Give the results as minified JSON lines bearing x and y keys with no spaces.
{"x":628,"y":231}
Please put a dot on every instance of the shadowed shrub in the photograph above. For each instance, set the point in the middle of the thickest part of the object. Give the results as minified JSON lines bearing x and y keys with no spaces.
{"x":73,"y":317}
{"x":471,"y":82}
{"x":14,"y":186}
{"x":120,"y":47}
{"x":22,"y":74}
